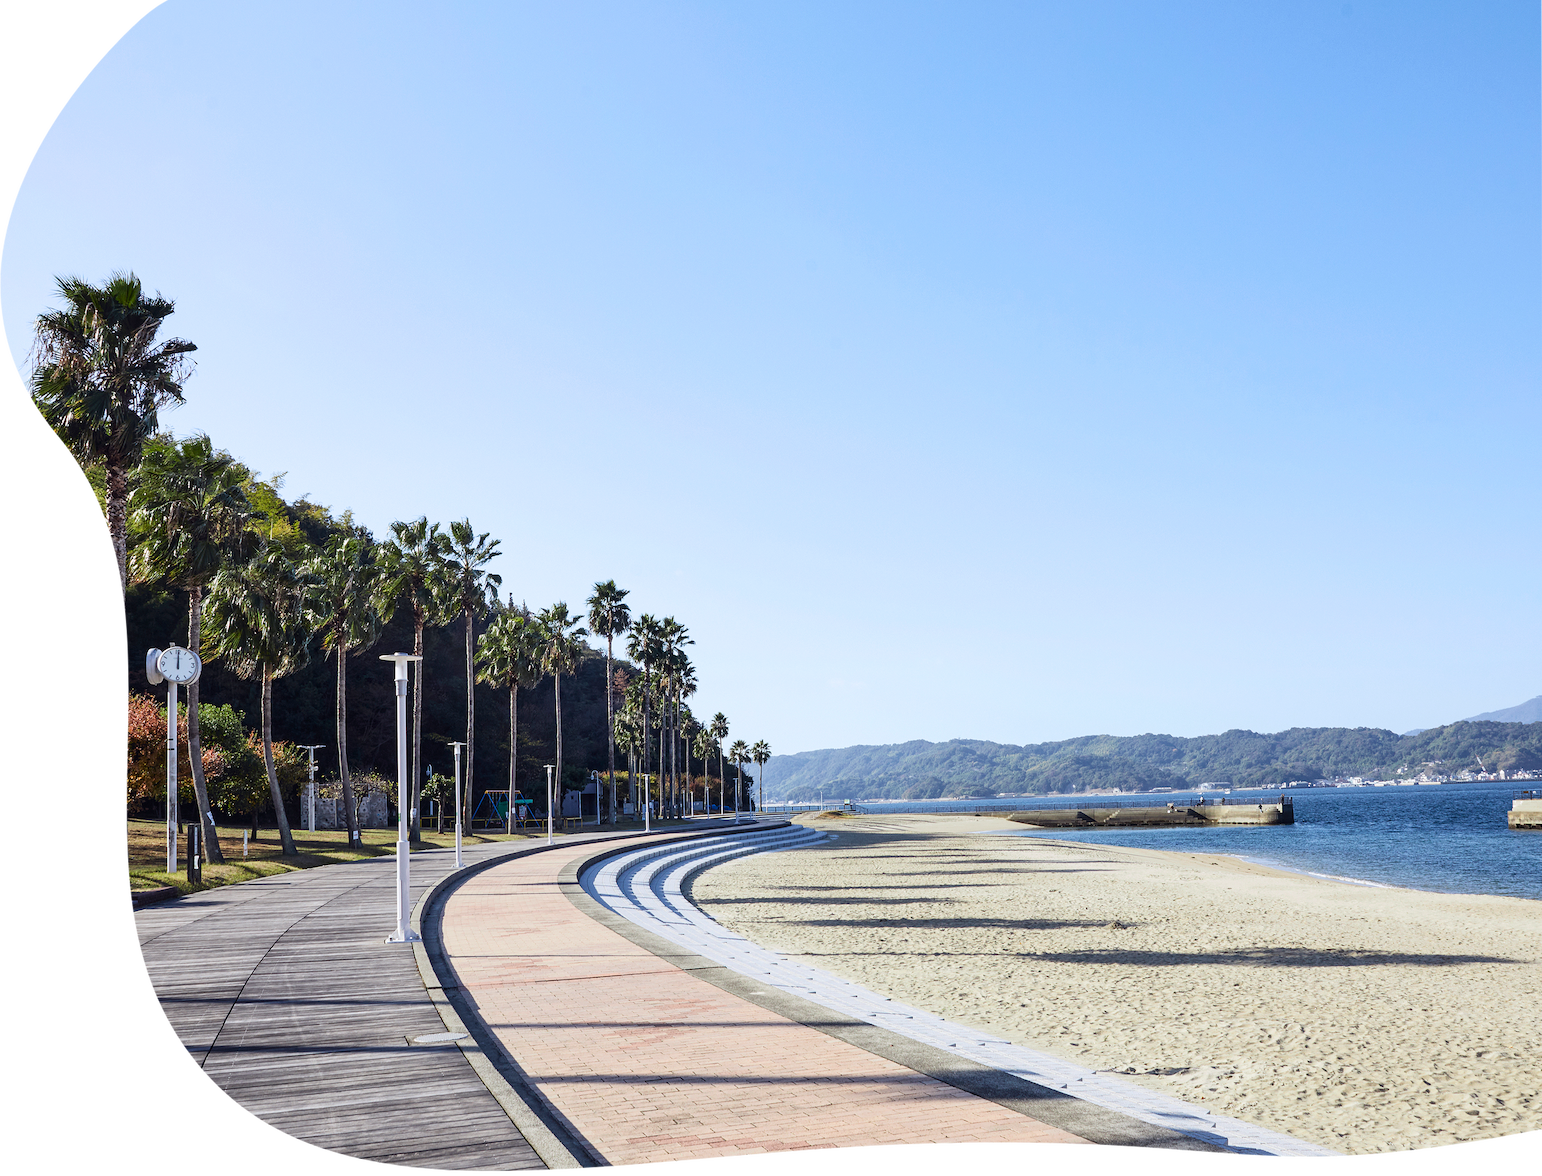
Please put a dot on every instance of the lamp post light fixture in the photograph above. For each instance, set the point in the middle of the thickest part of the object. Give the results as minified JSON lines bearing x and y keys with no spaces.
{"x":310,"y":792}
{"x":457,"y":747}
{"x":403,"y":933}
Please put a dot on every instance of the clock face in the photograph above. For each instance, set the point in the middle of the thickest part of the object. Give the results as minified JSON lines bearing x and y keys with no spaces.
{"x":179,"y":665}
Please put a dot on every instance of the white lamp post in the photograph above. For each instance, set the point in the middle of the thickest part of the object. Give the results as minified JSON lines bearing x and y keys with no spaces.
{"x":457,"y":747}
{"x":548,"y":802}
{"x":310,"y":792}
{"x":403,"y":933}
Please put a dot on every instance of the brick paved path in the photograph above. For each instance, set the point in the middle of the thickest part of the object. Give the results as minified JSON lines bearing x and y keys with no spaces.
{"x":646,"y":1062}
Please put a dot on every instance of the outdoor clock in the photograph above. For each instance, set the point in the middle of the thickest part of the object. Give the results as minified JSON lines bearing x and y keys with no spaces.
{"x":178,"y":665}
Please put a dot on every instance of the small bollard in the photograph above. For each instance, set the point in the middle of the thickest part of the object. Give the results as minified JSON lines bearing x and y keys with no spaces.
{"x":195,"y":854}
{"x":244,"y":832}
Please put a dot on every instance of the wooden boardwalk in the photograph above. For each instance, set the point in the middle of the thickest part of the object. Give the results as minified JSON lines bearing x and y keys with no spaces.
{"x":284,"y":990}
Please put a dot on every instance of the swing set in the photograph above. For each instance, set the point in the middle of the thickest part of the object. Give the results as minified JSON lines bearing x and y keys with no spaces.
{"x":492,"y":811}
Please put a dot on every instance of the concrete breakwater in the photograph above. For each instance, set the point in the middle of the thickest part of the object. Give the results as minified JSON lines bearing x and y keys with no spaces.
{"x":1200,"y":812}
{"x":1526,"y":810}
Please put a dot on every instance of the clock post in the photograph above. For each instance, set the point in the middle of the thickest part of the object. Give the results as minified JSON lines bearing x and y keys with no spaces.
{"x":176,"y":667}
{"x":403,"y":933}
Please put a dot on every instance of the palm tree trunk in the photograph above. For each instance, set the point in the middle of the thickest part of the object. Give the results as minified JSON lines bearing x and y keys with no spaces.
{"x":350,"y":818}
{"x":610,"y":730}
{"x":514,"y":739}
{"x":117,"y":516}
{"x":557,"y":688}
{"x":211,"y":839}
{"x":415,"y":789}
{"x":471,"y":721}
{"x":285,"y":838}
{"x":646,"y":798}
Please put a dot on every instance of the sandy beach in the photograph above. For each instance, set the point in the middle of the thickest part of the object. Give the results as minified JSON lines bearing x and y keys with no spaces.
{"x":1363,"y":1019}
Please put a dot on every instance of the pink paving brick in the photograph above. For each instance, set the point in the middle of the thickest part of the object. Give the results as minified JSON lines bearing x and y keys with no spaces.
{"x":649,"y":1063}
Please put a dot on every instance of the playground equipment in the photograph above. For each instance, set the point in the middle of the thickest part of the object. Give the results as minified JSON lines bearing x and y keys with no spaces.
{"x":492,"y":811}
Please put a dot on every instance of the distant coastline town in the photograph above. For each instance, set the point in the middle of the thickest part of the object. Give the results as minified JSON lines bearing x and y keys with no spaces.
{"x":1479,"y":750}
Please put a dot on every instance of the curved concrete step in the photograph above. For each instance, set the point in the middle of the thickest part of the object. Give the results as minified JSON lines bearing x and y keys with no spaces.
{"x":647,"y":888}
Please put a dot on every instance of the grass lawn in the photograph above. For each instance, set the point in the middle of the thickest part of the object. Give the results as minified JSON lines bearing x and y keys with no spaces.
{"x":147,"y":851}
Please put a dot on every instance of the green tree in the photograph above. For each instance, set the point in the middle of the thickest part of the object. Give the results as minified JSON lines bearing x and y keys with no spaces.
{"x":243,"y":785}
{"x":562,"y":646}
{"x":760,"y":753}
{"x":644,"y":646}
{"x":719,"y":729}
{"x":628,"y":729}
{"x":100,"y":380}
{"x":414,"y":570}
{"x":258,"y":621}
{"x":706,"y":746}
{"x":674,"y":668}
{"x":440,"y":790}
{"x":474,"y":590}
{"x":609,"y":617}
{"x":189,"y":515}
{"x":739,"y":755}
{"x":509,"y":654}
{"x":348,"y":608}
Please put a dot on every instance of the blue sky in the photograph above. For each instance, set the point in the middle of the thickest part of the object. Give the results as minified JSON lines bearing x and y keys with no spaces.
{"x":1008,"y":371}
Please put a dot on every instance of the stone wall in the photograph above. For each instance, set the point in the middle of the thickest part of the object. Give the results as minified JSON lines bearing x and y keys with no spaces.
{"x":373,"y":813}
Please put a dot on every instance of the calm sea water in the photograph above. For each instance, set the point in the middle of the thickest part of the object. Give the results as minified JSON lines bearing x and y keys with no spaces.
{"x":1444,"y":837}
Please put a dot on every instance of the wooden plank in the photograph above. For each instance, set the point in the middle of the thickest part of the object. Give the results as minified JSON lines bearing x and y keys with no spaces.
{"x":286,"y":994}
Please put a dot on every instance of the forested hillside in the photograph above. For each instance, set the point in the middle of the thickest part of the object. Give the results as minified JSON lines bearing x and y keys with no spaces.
{"x":968,"y":767}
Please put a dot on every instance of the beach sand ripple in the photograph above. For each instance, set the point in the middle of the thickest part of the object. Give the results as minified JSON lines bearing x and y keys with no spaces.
{"x":1363,"y":1019}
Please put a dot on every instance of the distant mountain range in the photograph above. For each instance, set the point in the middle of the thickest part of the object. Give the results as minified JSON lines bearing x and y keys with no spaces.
{"x":1138,"y":763}
{"x":1527,"y":712}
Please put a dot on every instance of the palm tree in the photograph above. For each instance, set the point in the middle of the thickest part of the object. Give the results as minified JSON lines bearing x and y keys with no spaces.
{"x":738,"y":755}
{"x":760,"y":753}
{"x":629,"y":739}
{"x":414,"y":569}
{"x":609,"y":617}
{"x":673,"y":638}
{"x":348,"y":609}
{"x":258,"y":621}
{"x":643,"y":647}
{"x":100,"y":380}
{"x":189,"y":515}
{"x":688,"y":728}
{"x":561,"y":647}
{"x":719,"y":731}
{"x":509,"y":652}
{"x":474,"y":590}
{"x":705,"y":746}
{"x":685,"y":687}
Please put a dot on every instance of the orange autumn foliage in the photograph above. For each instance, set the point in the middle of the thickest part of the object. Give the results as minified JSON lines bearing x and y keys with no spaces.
{"x":147,"y":754}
